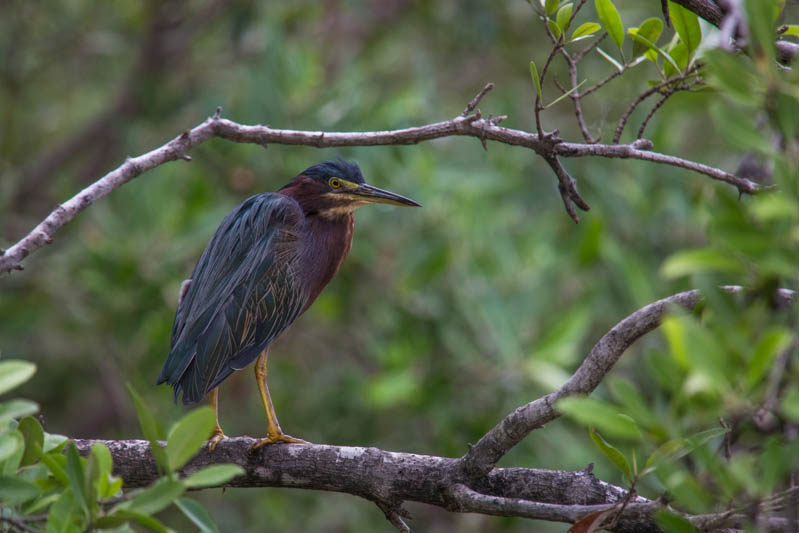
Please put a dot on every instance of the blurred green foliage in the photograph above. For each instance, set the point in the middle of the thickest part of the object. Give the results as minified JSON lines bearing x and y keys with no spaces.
{"x":443,"y":319}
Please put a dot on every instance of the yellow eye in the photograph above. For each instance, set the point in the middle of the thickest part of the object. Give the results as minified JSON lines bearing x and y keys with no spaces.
{"x":335,"y":183}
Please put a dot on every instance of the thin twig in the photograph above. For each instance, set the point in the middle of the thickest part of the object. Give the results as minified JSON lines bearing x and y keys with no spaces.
{"x":666,"y":95}
{"x":476,"y":100}
{"x":646,"y":94}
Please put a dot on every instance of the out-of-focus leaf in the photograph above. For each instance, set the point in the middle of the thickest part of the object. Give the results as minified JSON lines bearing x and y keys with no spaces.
{"x":536,"y":79}
{"x":734,"y":76}
{"x":650,"y":29}
{"x":188,"y":436}
{"x":611,"y":21}
{"x":155,"y":498}
{"x":77,"y":478}
{"x":550,"y":6}
{"x":686,"y":24}
{"x":564,"y":17}
{"x":61,"y":519}
{"x":586,"y":28}
{"x":17,"y":408}
{"x":197,"y":514}
{"x":592,"y":412}
{"x":610,"y":59}
{"x":696,"y":261}
{"x":54,"y":442}
{"x":56,"y":469}
{"x":772,"y":342}
{"x":149,"y":428}
{"x":635,"y":405}
{"x":34,"y":439}
{"x":15,"y":490}
{"x":790,"y":403}
{"x":213,"y":475}
{"x":774,"y":205}
{"x":673,"y":523}
{"x":10,"y":443}
{"x":612,"y":453}
{"x":738,"y":128}
{"x":793,"y":30}
{"x":761,"y":16}
{"x":14,"y":373}
{"x":143,"y":519}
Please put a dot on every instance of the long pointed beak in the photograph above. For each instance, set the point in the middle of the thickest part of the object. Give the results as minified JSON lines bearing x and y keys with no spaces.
{"x":366,"y":192}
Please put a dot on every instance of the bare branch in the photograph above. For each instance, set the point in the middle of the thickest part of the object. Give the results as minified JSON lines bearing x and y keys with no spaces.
{"x":482,"y":457}
{"x":476,"y":100}
{"x":471,"y":126}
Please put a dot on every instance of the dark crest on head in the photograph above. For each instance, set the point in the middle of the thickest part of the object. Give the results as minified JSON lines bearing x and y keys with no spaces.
{"x":347,"y":170}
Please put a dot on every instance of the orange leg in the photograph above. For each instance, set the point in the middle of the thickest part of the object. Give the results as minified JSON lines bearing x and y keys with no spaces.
{"x":273,"y":432}
{"x":217,"y":435}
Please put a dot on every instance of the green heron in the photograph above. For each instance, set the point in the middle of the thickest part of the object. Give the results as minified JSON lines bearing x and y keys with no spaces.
{"x":265,"y":265}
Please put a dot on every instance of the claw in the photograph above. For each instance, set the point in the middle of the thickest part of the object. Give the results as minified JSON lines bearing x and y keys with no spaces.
{"x":216,"y":437}
{"x":279,"y":438}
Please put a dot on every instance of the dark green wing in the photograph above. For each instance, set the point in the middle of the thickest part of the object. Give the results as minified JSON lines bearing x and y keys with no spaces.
{"x":243,"y":292}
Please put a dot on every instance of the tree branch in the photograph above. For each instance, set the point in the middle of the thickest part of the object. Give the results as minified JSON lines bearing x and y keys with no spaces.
{"x":484,"y":455}
{"x":468,"y":484}
{"x":473,"y":125}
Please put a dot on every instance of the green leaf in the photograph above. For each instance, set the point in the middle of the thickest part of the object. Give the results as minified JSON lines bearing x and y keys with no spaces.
{"x":143,"y":519}
{"x":58,"y":472}
{"x":213,"y":475}
{"x":772,"y":342}
{"x":61,"y":518}
{"x":611,"y":21}
{"x":149,"y":428}
{"x":54,"y":442}
{"x":197,"y":514}
{"x":790,"y":403}
{"x":15,"y":372}
{"x":739,"y":129}
{"x":662,"y":53}
{"x":188,"y":436}
{"x":650,"y":29}
{"x":10,"y":443}
{"x":550,"y":6}
{"x":612,"y":453}
{"x":155,"y":498}
{"x":679,"y":53}
{"x":15,"y":490}
{"x":673,"y":523}
{"x":77,"y":478}
{"x":610,"y":59}
{"x":585,"y":29}
{"x":761,"y":17}
{"x":686,"y":24}
{"x":34,"y":439}
{"x":735,"y":76}
{"x":554,"y":28}
{"x":591,"y":412}
{"x":17,"y":408}
{"x":699,"y":260}
{"x":774,"y":205}
{"x":564,"y":16}
{"x":536,"y":80}
{"x":793,"y":30}
{"x":625,"y":393}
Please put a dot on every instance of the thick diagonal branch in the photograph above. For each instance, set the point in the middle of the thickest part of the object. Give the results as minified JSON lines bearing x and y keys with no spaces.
{"x":483,"y":456}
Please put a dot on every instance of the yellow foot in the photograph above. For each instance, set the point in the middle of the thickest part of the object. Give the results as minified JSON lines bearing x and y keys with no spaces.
{"x":280,"y":437}
{"x":215,"y":439}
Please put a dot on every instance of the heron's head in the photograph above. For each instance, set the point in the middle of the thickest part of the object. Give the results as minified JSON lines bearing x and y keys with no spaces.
{"x":335,"y":188}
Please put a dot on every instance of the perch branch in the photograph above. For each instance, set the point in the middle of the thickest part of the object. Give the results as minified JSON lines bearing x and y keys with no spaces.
{"x":472,"y":125}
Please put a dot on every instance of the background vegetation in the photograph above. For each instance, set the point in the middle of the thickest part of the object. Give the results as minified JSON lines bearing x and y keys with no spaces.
{"x":443,"y":319}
